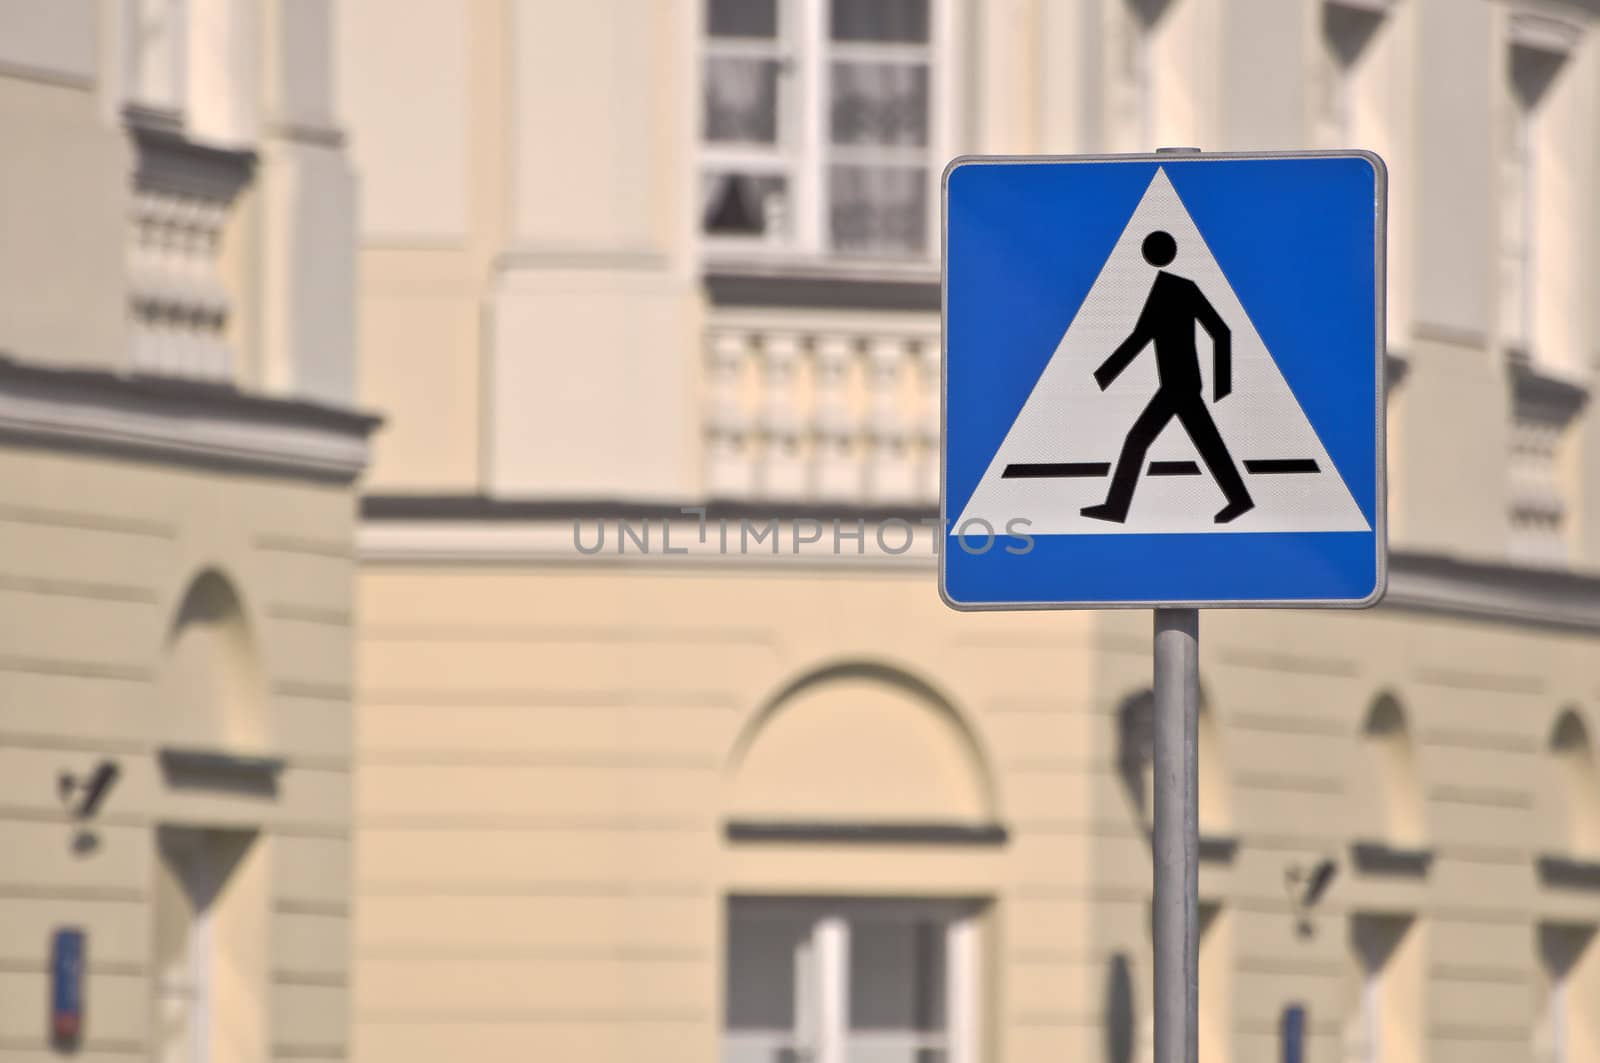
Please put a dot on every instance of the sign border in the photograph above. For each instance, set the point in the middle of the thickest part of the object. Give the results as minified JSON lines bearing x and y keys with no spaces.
{"x":1380,"y":346}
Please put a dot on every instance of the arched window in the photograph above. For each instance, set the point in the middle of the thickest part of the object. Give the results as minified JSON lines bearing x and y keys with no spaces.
{"x":210,"y":685}
{"x":856,"y":752}
{"x":1383,"y":1023}
{"x":1390,"y":765}
{"x":1136,"y":763}
{"x":1578,"y":781}
{"x":1568,"y":1029}
{"x":859,"y":743}
{"x":1160,"y":62}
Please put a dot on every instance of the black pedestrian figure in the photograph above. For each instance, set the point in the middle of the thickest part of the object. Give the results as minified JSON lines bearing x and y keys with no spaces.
{"x":1168,"y":319}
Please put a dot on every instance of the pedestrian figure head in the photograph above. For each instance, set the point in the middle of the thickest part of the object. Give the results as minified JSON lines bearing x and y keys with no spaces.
{"x":1160,"y":248}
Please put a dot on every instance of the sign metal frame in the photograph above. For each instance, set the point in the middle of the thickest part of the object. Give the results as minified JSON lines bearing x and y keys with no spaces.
{"x":1380,"y":526}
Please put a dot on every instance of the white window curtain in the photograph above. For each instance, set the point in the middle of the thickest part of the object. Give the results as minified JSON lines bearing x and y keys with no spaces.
{"x":819,"y":125}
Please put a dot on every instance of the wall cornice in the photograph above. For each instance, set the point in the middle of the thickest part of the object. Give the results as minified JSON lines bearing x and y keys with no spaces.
{"x":468,"y":529}
{"x":180,"y":421}
{"x":1497,"y":592}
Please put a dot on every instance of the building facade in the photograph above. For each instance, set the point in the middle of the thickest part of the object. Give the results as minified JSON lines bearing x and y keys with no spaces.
{"x":178,"y":452}
{"x":620,"y":719}
{"x":660,"y":275}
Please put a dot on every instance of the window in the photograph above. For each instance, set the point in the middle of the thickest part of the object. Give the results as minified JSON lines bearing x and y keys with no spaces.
{"x":195,"y":61}
{"x":1567,"y":1030}
{"x":1164,"y":56}
{"x":1576,"y":774}
{"x":820,"y":127}
{"x":849,"y":982}
{"x":1542,"y":276}
{"x":1391,"y":776}
{"x":1385,"y":1023}
{"x":1532,"y":72}
{"x":1353,"y":94}
{"x":210,"y":945}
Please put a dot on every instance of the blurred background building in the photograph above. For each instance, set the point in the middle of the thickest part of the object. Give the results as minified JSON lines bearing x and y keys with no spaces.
{"x":178,"y":452}
{"x":638,"y":286}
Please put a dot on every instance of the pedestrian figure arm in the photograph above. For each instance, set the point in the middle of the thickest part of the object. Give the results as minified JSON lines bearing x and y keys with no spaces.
{"x":1126,"y":351}
{"x":1221,"y":345}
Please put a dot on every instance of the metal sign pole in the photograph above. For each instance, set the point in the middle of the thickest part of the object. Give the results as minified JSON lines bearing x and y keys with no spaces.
{"x":1177,"y":835}
{"x":1176,"y":843}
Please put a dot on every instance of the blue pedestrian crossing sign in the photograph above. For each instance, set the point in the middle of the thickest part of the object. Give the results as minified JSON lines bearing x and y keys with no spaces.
{"x":1163,"y":381}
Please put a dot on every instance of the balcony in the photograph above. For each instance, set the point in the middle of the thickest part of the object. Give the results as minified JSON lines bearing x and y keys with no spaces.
{"x":831,"y":407}
{"x":183,"y":195}
{"x":1544,"y":405}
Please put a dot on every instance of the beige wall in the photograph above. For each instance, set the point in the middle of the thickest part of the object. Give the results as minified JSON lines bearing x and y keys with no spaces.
{"x":101,"y":553}
{"x":550,"y":754}
{"x":552,"y":747}
{"x":85,"y":240}
{"x":530,"y":297}
{"x":62,"y":207}
{"x":176,"y":560}
{"x":549,"y":757}
{"x":1290,"y":693}
{"x":541,"y":308}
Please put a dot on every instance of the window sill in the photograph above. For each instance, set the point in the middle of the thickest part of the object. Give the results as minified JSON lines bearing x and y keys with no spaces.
{"x":1381,"y":858}
{"x":1569,"y":872}
{"x":778,"y":279}
{"x":1218,"y":848}
{"x":1396,"y":367}
{"x":984,"y":834}
{"x":834,"y":284}
{"x":1545,"y":394}
{"x":213,"y":769}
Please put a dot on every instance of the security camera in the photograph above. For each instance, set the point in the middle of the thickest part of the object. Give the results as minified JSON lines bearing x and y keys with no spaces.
{"x":1317,"y":882}
{"x":93,"y":790}
{"x":1305,"y":889}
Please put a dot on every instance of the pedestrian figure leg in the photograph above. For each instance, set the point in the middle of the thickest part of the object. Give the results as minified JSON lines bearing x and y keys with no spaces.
{"x":1202,"y":430}
{"x":1131,"y":462}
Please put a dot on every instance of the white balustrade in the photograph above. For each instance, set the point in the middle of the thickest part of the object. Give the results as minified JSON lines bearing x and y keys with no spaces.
{"x":781,"y":467}
{"x":1543,"y":407}
{"x":821,"y":408}
{"x":835,"y":473}
{"x":177,"y":299}
{"x":930,"y":413}
{"x":728,"y":430}
{"x":1538,"y":506}
{"x":889,"y":362}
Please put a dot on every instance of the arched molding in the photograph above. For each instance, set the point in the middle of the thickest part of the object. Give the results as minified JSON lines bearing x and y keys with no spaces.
{"x":1136,"y":756}
{"x":885,"y":692}
{"x":1576,"y":778}
{"x":211,"y":687}
{"x":1389,"y":761}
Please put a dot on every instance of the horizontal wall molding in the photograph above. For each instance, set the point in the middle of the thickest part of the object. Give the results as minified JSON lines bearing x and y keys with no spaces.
{"x":1569,"y":872}
{"x":867,"y":833}
{"x":1382,"y":858}
{"x":1545,"y":394}
{"x":1545,"y":32}
{"x":180,"y":421}
{"x":822,"y":291}
{"x":727,"y":536}
{"x":468,"y":529}
{"x":1496,"y":592}
{"x":220,"y":771}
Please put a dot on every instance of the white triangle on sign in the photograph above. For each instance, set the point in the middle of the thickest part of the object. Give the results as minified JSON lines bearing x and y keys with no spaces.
{"x":1070,"y":432}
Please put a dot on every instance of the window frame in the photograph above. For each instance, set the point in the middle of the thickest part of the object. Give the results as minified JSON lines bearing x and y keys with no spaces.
{"x":826,"y":1002}
{"x":804,"y":153}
